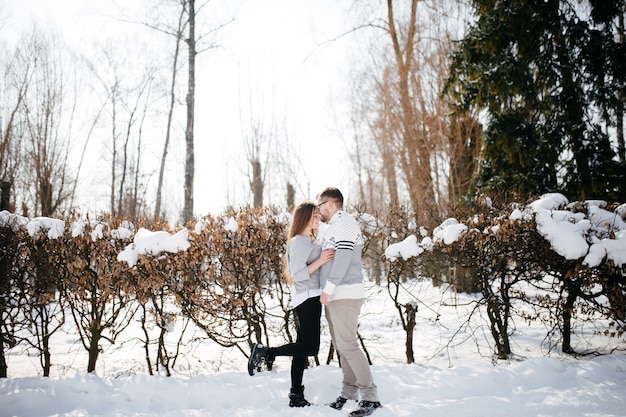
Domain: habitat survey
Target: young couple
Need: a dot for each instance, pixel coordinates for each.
(326, 274)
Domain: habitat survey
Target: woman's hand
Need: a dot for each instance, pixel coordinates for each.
(327, 255)
(324, 299)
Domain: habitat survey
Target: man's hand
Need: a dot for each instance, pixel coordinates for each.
(324, 299)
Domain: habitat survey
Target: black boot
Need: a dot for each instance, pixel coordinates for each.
(296, 398)
(258, 353)
(366, 408)
(269, 361)
(338, 403)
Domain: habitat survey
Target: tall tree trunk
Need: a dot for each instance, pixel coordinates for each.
(166, 145)
(291, 196)
(257, 183)
(114, 150)
(389, 167)
(464, 145)
(122, 185)
(189, 139)
(416, 155)
(621, 149)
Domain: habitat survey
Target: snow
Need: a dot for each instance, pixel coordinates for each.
(591, 237)
(406, 249)
(535, 387)
(154, 243)
(454, 373)
(564, 234)
(231, 224)
(449, 378)
(54, 227)
(451, 233)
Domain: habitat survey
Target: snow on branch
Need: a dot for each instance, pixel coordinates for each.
(584, 230)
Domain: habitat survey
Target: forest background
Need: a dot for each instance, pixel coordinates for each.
(439, 101)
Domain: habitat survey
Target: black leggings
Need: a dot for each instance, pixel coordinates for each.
(307, 341)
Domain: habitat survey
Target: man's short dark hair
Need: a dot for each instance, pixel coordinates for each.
(332, 193)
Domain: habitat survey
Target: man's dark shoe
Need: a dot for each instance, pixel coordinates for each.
(365, 408)
(338, 403)
(258, 352)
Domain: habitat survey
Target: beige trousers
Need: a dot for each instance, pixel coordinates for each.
(342, 317)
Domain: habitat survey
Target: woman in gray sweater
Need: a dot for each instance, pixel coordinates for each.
(303, 261)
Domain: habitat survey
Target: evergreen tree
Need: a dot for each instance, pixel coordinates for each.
(533, 67)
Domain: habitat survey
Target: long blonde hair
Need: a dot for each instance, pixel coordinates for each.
(300, 218)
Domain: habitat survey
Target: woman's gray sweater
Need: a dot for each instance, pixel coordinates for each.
(301, 252)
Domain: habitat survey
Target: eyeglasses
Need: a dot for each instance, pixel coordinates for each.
(321, 204)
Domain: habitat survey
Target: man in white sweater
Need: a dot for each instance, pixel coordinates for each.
(343, 296)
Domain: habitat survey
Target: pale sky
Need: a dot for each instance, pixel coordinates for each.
(277, 46)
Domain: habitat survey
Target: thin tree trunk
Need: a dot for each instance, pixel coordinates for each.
(257, 183)
(122, 185)
(189, 137)
(94, 350)
(146, 345)
(568, 308)
(411, 312)
(114, 155)
(170, 114)
(82, 154)
(621, 148)
(3, 362)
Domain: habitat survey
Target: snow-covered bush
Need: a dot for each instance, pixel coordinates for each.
(562, 260)
(558, 262)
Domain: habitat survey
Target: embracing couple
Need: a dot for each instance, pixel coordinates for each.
(325, 271)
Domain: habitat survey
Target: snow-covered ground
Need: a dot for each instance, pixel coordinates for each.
(451, 376)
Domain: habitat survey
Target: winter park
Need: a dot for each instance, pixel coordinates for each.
(454, 371)
(154, 155)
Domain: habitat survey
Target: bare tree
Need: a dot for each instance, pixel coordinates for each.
(12, 93)
(129, 193)
(178, 36)
(126, 100)
(368, 157)
(46, 171)
(186, 21)
(383, 151)
(107, 71)
(404, 110)
(464, 145)
(288, 167)
(257, 142)
(189, 6)
(92, 126)
(134, 200)
(415, 158)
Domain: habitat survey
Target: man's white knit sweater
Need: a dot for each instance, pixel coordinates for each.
(342, 278)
